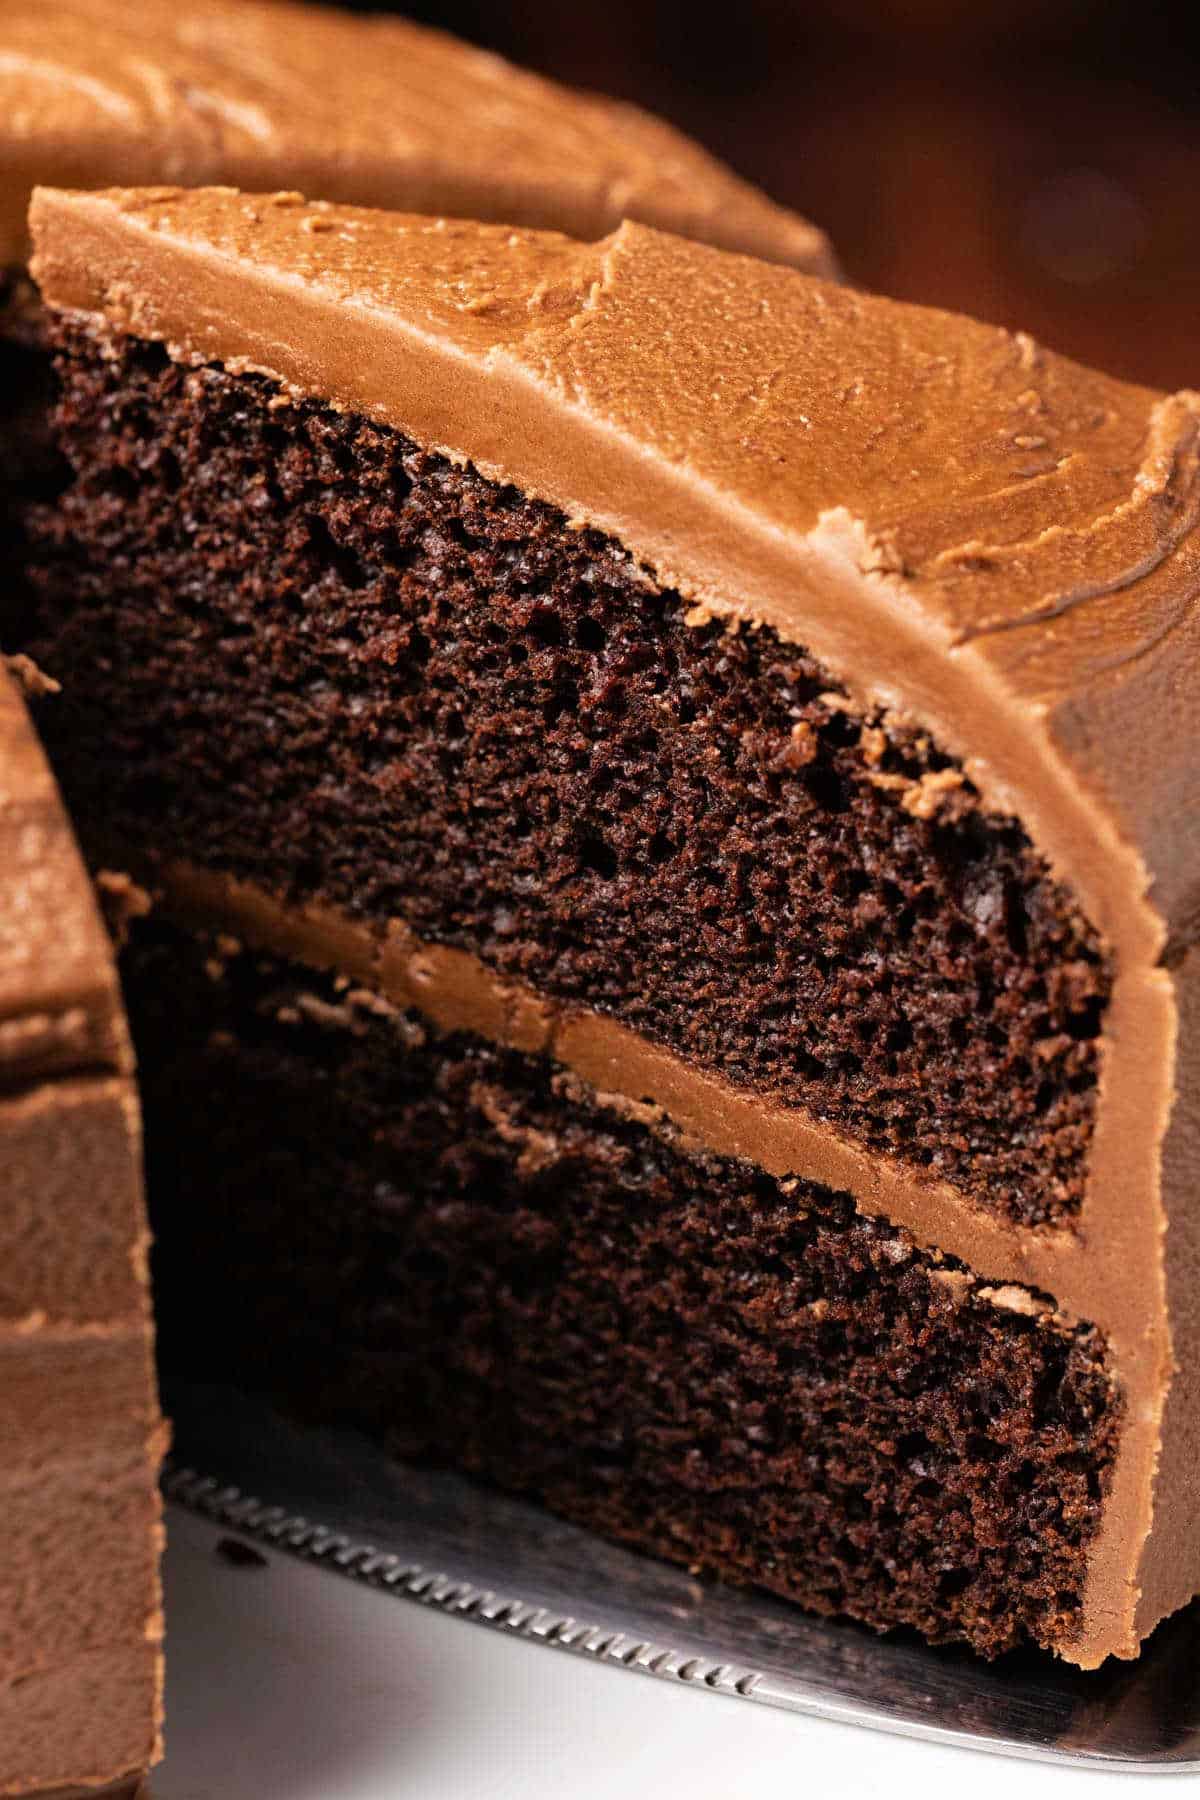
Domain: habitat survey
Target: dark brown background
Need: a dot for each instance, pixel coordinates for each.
(1032, 161)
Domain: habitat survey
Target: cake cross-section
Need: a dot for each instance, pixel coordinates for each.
(671, 787)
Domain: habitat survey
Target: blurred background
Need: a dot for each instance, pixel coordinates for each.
(1035, 162)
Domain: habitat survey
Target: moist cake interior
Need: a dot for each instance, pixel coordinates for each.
(299, 649)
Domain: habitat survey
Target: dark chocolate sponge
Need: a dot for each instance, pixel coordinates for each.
(302, 650)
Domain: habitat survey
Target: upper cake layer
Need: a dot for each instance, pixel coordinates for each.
(957, 521)
(462, 713)
(377, 111)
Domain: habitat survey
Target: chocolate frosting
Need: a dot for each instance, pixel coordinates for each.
(376, 111)
(959, 524)
(79, 1608)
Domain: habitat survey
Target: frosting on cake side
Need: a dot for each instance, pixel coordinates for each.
(80, 1625)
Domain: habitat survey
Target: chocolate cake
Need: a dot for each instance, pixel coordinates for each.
(79, 1610)
(670, 785)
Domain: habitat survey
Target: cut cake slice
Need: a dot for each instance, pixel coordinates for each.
(672, 784)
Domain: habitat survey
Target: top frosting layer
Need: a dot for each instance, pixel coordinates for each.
(376, 111)
(955, 519)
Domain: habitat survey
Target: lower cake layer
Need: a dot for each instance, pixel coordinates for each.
(475, 1257)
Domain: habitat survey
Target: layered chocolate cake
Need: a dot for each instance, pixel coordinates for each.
(81, 1437)
(670, 788)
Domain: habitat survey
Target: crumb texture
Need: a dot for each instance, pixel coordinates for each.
(457, 1249)
(296, 647)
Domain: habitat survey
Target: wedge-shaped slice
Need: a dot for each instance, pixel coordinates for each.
(752, 720)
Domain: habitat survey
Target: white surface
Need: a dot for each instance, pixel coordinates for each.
(292, 1683)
